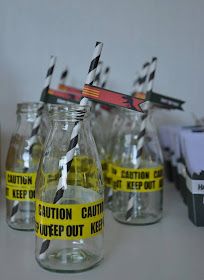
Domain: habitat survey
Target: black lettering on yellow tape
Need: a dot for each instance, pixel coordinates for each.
(69, 222)
(20, 194)
(114, 171)
(136, 180)
(137, 185)
(20, 179)
(20, 186)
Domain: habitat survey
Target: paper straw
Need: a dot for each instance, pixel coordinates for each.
(66, 162)
(140, 81)
(37, 121)
(98, 74)
(105, 77)
(32, 140)
(64, 76)
(104, 81)
(141, 135)
(142, 132)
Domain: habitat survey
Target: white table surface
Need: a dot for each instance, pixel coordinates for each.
(172, 249)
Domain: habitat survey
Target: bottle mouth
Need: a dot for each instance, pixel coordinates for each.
(71, 112)
(29, 107)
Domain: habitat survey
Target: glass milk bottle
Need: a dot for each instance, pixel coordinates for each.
(105, 126)
(21, 166)
(137, 172)
(69, 194)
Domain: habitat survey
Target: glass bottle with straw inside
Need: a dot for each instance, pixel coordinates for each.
(21, 167)
(23, 160)
(137, 168)
(137, 183)
(70, 191)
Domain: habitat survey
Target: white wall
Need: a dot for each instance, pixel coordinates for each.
(132, 32)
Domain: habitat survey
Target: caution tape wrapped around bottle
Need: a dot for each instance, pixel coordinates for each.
(69, 222)
(135, 180)
(20, 186)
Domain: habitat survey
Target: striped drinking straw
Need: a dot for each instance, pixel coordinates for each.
(139, 83)
(102, 84)
(141, 135)
(33, 138)
(145, 115)
(64, 76)
(65, 162)
(98, 73)
(105, 77)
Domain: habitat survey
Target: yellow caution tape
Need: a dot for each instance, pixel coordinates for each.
(20, 186)
(135, 180)
(69, 222)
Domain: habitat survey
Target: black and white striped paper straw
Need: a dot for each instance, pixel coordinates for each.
(97, 79)
(141, 135)
(32, 140)
(64, 76)
(102, 84)
(66, 162)
(139, 83)
(143, 77)
(37, 121)
(105, 77)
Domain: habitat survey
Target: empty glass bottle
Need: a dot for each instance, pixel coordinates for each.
(69, 197)
(137, 179)
(21, 166)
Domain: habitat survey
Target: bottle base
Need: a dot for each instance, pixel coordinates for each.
(143, 219)
(69, 260)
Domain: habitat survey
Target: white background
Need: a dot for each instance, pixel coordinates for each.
(132, 32)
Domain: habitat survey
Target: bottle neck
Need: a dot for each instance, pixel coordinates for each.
(133, 121)
(68, 114)
(26, 116)
(69, 124)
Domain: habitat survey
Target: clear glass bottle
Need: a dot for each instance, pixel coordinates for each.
(137, 181)
(106, 122)
(21, 168)
(76, 243)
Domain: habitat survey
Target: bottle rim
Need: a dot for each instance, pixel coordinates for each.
(70, 112)
(28, 107)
